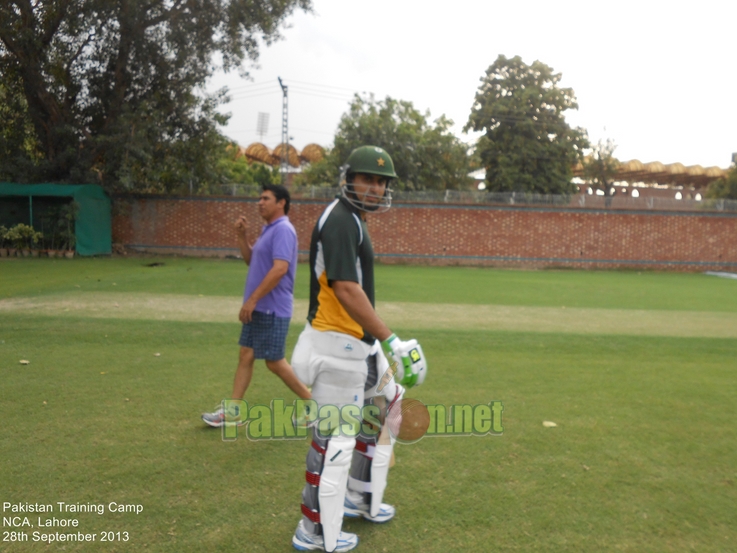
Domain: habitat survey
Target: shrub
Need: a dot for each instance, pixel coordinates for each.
(23, 236)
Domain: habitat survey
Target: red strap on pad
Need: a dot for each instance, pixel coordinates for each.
(314, 516)
(312, 478)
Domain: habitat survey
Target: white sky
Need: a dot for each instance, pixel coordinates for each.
(659, 78)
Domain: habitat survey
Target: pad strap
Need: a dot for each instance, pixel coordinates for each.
(367, 450)
(314, 516)
(358, 485)
(312, 478)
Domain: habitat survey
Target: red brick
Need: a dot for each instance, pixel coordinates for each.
(453, 234)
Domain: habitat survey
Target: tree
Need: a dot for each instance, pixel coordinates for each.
(426, 155)
(725, 187)
(113, 89)
(527, 145)
(321, 173)
(236, 169)
(16, 132)
(601, 166)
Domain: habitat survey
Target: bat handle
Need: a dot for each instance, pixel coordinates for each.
(387, 376)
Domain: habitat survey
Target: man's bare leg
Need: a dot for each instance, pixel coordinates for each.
(243, 373)
(284, 371)
(242, 379)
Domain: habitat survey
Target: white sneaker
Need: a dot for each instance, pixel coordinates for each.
(354, 507)
(216, 419)
(305, 541)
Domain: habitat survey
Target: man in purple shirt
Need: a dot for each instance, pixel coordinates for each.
(268, 297)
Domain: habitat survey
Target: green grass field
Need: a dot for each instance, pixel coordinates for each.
(643, 458)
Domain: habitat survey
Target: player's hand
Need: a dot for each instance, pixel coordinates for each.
(246, 314)
(411, 361)
(241, 226)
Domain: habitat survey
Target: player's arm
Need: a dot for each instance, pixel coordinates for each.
(246, 248)
(408, 355)
(356, 303)
(272, 278)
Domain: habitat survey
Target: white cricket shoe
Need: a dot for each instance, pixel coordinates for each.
(305, 541)
(354, 507)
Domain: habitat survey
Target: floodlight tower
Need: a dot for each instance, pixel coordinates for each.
(284, 167)
(262, 126)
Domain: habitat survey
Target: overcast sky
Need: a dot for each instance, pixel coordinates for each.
(658, 78)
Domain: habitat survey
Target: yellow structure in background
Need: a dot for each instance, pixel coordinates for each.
(656, 173)
(262, 154)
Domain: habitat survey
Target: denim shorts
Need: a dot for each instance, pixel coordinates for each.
(266, 334)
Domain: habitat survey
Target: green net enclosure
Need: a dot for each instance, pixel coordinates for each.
(37, 204)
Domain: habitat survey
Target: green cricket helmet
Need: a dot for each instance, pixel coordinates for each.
(369, 160)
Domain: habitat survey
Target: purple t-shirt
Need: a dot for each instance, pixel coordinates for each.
(278, 240)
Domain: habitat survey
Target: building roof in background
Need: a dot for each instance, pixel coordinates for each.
(261, 153)
(655, 172)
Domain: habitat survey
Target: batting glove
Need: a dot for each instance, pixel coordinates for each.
(411, 362)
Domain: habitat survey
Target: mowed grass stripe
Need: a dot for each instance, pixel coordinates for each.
(181, 307)
(28, 277)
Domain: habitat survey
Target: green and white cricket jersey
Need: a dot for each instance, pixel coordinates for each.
(340, 249)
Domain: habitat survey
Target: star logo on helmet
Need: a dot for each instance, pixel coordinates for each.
(380, 161)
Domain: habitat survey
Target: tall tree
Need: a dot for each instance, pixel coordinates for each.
(600, 167)
(527, 146)
(113, 88)
(426, 154)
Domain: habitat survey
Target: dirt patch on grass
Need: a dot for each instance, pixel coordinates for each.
(175, 307)
(560, 319)
(403, 315)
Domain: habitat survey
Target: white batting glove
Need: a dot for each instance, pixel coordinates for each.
(411, 362)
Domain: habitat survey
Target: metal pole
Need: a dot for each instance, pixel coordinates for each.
(30, 210)
(284, 166)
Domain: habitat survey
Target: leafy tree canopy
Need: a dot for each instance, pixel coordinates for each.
(426, 155)
(601, 166)
(527, 146)
(16, 130)
(235, 169)
(724, 188)
(111, 91)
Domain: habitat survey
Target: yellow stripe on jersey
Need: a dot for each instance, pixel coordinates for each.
(331, 315)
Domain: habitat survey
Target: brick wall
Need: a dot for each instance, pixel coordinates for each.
(453, 234)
